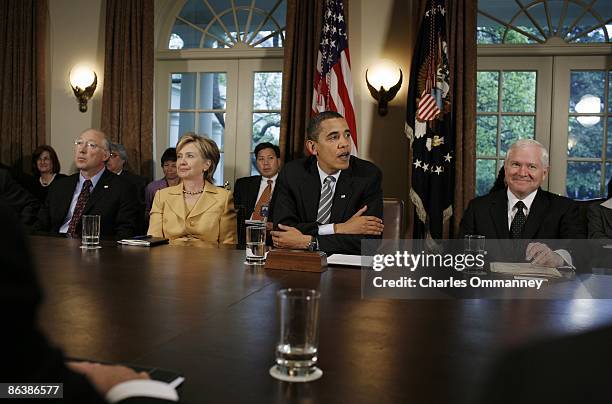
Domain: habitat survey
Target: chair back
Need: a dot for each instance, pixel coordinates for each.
(393, 218)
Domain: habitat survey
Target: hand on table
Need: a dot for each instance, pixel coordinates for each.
(358, 224)
(541, 254)
(290, 237)
(104, 377)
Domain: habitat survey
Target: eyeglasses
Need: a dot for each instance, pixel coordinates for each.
(82, 143)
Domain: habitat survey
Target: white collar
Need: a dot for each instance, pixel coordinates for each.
(323, 174)
(607, 204)
(528, 200)
(265, 179)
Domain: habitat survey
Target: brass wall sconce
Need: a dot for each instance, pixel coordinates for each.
(384, 75)
(83, 82)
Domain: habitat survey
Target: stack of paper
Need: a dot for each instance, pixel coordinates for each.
(524, 269)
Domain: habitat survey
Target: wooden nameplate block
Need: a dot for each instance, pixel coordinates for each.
(296, 260)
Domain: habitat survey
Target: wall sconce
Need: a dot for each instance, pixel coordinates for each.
(384, 76)
(83, 82)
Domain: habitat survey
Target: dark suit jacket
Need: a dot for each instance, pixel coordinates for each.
(296, 200)
(140, 183)
(245, 193)
(573, 369)
(112, 199)
(28, 357)
(21, 200)
(600, 221)
(551, 217)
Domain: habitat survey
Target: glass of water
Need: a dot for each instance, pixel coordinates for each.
(90, 235)
(256, 244)
(474, 244)
(296, 351)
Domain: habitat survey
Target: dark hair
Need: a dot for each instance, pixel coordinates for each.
(208, 151)
(169, 154)
(267, 145)
(312, 132)
(52, 154)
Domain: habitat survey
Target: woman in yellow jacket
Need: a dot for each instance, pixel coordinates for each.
(195, 210)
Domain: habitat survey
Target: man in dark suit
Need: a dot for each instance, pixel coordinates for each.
(21, 200)
(117, 163)
(330, 200)
(524, 211)
(28, 357)
(257, 190)
(94, 190)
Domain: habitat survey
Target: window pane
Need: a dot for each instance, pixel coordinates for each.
(514, 128)
(267, 90)
(524, 23)
(585, 139)
(196, 12)
(213, 90)
(487, 89)
(518, 92)
(180, 122)
(609, 91)
(253, 165)
(485, 176)
(218, 175)
(488, 31)
(183, 91)
(486, 136)
(184, 36)
(266, 128)
(583, 180)
(608, 186)
(609, 148)
(212, 124)
(584, 85)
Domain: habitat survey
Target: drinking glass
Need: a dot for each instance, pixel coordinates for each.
(256, 244)
(90, 236)
(296, 351)
(474, 244)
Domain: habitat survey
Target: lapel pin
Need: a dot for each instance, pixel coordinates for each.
(342, 196)
(106, 186)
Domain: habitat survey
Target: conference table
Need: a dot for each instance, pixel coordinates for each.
(203, 313)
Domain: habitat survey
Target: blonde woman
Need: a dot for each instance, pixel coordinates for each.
(194, 210)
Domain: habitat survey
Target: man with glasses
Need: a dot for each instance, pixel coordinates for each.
(94, 190)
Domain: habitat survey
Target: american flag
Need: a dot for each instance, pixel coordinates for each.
(333, 87)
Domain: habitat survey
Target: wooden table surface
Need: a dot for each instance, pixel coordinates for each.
(203, 313)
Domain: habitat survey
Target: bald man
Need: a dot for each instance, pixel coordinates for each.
(94, 190)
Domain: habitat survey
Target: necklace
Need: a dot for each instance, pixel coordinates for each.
(193, 193)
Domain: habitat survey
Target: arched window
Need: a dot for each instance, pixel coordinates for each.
(219, 73)
(544, 72)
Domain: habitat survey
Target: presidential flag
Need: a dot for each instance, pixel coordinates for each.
(333, 87)
(428, 125)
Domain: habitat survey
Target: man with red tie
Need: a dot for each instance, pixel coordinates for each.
(94, 190)
(254, 192)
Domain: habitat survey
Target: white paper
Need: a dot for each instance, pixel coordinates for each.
(350, 260)
(524, 269)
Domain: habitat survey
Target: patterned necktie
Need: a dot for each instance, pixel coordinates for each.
(325, 202)
(518, 223)
(73, 227)
(264, 199)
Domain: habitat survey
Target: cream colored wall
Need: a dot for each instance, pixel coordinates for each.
(76, 35)
(382, 29)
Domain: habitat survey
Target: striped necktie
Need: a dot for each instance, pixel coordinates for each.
(73, 227)
(325, 202)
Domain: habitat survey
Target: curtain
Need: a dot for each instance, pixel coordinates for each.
(462, 37)
(301, 45)
(127, 99)
(23, 32)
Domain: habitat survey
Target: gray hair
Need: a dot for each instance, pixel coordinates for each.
(107, 143)
(119, 148)
(523, 143)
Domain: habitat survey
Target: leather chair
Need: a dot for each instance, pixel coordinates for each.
(393, 218)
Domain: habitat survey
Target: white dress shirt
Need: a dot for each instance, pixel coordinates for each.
(141, 388)
(262, 186)
(528, 201)
(327, 229)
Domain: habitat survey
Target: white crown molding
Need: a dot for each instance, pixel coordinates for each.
(546, 50)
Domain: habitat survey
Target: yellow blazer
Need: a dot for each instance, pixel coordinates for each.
(212, 218)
